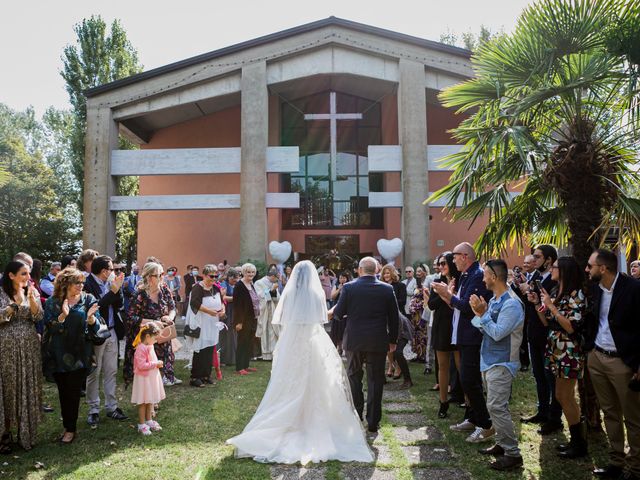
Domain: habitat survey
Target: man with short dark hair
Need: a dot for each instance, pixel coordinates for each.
(613, 335)
(103, 284)
(549, 414)
(46, 284)
(501, 323)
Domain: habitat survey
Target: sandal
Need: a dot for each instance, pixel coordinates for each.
(61, 440)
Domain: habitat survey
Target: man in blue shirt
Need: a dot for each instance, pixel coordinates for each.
(501, 323)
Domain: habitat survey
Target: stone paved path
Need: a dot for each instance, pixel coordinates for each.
(406, 443)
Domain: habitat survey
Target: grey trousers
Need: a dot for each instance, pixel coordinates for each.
(498, 380)
(107, 366)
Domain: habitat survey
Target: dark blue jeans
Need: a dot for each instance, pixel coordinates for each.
(548, 406)
(471, 380)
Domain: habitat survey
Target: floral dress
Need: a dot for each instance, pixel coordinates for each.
(419, 342)
(565, 356)
(20, 371)
(141, 306)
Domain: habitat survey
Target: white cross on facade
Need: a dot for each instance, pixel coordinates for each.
(333, 116)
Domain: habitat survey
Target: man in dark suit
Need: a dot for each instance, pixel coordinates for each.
(103, 284)
(371, 330)
(549, 414)
(612, 334)
(190, 279)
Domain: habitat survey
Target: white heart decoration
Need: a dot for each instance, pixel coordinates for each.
(389, 249)
(280, 251)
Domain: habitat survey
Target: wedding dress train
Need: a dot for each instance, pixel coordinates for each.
(306, 414)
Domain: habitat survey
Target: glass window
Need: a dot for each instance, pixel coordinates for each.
(324, 203)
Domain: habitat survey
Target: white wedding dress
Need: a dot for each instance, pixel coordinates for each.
(306, 414)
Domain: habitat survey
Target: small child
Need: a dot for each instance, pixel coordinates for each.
(147, 381)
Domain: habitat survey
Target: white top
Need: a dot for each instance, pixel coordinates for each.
(604, 339)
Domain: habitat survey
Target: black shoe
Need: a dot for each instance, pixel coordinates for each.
(427, 371)
(524, 368)
(496, 450)
(47, 409)
(610, 471)
(372, 429)
(506, 463)
(444, 407)
(577, 446)
(196, 382)
(93, 419)
(548, 428)
(117, 414)
(83, 393)
(537, 418)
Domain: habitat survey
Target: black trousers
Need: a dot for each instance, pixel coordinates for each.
(524, 346)
(244, 348)
(471, 380)
(402, 362)
(69, 386)
(548, 406)
(202, 363)
(375, 383)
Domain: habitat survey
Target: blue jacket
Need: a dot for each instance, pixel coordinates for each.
(470, 283)
(502, 326)
(371, 310)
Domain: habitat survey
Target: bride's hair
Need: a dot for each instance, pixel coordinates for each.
(303, 300)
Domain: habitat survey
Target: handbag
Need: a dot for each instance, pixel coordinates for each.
(191, 332)
(167, 334)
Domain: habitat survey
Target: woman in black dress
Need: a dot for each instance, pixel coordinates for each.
(246, 310)
(389, 275)
(442, 328)
(338, 324)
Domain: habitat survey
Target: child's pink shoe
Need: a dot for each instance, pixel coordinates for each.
(144, 429)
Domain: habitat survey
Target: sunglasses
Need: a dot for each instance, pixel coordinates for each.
(117, 270)
(442, 264)
(213, 276)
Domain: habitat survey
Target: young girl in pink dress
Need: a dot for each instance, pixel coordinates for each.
(147, 381)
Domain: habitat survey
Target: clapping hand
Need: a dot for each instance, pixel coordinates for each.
(442, 289)
(117, 283)
(65, 308)
(91, 314)
(478, 305)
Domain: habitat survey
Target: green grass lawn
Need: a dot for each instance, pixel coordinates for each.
(197, 422)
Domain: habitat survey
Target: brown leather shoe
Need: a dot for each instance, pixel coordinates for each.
(496, 450)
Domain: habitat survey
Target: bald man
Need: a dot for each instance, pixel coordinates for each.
(468, 339)
(371, 330)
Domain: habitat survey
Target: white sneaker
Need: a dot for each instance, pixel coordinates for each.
(177, 381)
(154, 426)
(167, 383)
(480, 435)
(465, 426)
(144, 429)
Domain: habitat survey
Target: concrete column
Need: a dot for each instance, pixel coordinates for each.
(253, 176)
(99, 223)
(412, 133)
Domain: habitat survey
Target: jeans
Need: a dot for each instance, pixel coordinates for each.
(548, 406)
(498, 380)
(69, 386)
(375, 383)
(471, 380)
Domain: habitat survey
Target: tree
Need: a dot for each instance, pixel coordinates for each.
(97, 58)
(469, 40)
(548, 111)
(32, 213)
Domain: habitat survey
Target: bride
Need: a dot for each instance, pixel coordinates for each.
(306, 414)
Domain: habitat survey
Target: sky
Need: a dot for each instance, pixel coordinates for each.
(34, 33)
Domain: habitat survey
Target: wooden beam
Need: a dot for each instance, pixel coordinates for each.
(196, 161)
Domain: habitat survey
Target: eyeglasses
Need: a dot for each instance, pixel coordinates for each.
(213, 276)
(408, 271)
(442, 264)
(117, 270)
(554, 266)
(459, 253)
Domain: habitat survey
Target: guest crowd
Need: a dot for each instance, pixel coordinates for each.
(475, 325)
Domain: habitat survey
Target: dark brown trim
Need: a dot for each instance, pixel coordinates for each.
(331, 21)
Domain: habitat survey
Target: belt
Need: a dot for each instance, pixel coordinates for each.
(608, 353)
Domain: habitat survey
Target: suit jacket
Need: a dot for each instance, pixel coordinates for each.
(243, 308)
(189, 282)
(471, 282)
(371, 311)
(536, 331)
(624, 319)
(110, 299)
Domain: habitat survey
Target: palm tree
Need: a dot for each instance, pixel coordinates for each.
(550, 112)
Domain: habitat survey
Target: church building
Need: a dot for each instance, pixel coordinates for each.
(328, 135)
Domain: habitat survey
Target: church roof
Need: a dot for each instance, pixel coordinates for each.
(327, 22)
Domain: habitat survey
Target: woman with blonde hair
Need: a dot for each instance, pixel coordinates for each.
(72, 321)
(246, 310)
(20, 370)
(389, 275)
(151, 302)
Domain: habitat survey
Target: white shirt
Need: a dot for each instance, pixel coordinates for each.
(604, 339)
